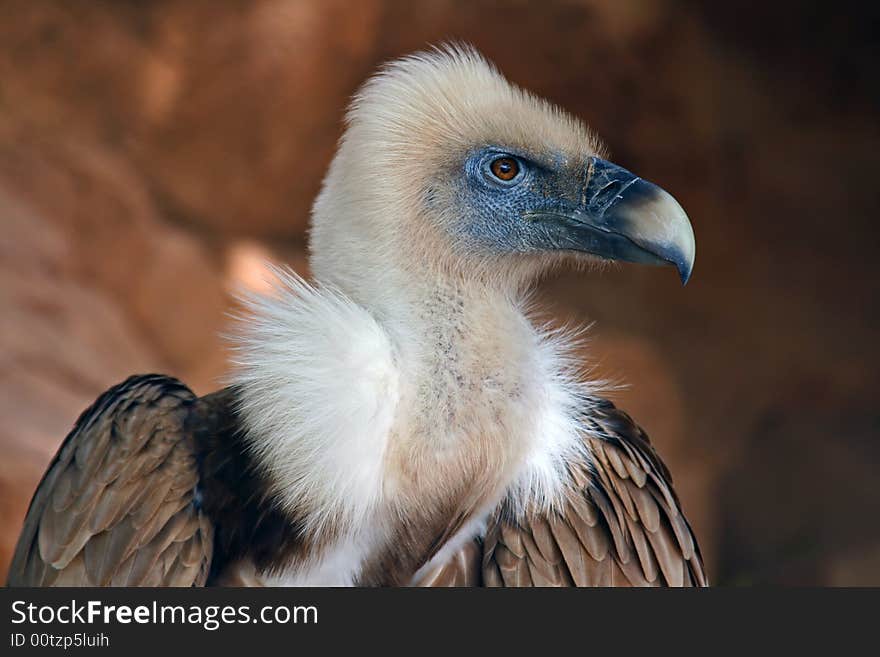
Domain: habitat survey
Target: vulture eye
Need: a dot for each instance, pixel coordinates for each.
(504, 168)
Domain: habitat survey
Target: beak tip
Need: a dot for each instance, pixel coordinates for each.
(684, 272)
(685, 267)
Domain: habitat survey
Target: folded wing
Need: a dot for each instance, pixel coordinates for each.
(117, 506)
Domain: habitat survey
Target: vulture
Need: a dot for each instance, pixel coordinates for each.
(402, 420)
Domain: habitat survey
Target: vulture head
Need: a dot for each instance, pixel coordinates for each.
(448, 168)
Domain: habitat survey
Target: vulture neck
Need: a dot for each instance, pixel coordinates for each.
(446, 398)
(473, 381)
(438, 319)
(486, 401)
(463, 347)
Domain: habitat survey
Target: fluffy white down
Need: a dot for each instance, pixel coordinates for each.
(318, 392)
(561, 396)
(319, 395)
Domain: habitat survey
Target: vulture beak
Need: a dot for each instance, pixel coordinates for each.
(623, 217)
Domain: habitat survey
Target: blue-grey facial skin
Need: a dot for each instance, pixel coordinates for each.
(494, 214)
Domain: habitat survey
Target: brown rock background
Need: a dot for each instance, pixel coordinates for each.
(152, 153)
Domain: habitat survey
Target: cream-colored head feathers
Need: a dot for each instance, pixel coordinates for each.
(409, 129)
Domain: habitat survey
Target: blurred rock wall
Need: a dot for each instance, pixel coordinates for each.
(154, 154)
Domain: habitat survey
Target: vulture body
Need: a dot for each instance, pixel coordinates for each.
(401, 421)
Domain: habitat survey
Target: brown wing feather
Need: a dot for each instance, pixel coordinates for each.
(462, 570)
(116, 506)
(623, 526)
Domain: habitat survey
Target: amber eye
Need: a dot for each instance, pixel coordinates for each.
(504, 168)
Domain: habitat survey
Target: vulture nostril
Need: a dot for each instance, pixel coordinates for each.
(606, 195)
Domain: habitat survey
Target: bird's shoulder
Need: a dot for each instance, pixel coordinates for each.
(620, 523)
(117, 505)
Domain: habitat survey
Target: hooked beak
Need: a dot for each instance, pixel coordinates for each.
(623, 217)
